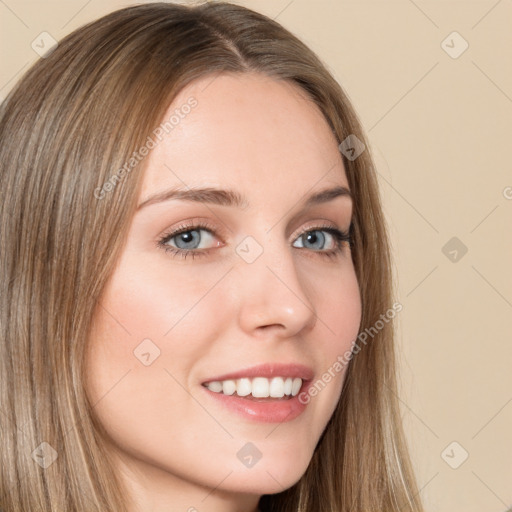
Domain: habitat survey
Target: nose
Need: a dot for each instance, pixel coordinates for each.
(272, 294)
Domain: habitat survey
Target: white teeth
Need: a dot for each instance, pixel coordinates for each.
(243, 387)
(288, 386)
(277, 387)
(297, 383)
(259, 387)
(228, 387)
(215, 386)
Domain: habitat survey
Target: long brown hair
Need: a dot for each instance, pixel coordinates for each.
(70, 124)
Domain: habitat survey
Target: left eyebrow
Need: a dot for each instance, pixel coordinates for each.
(232, 198)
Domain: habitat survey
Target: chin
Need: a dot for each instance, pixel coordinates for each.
(273, 477)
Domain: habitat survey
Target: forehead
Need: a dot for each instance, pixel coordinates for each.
(246, 131)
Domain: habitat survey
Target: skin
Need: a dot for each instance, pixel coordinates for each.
(174, 446)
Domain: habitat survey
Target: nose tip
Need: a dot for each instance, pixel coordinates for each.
(275, 298)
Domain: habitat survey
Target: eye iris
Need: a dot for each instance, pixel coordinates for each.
(188, 237)
(313, 237)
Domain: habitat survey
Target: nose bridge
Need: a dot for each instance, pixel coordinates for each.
(271, 290)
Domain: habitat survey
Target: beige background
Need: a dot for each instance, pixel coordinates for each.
(440, 129)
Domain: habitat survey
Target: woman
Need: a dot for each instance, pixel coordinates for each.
(192, 239)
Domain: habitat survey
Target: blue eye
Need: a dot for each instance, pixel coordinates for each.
(186, 240)
(316, 238)
(190, 239)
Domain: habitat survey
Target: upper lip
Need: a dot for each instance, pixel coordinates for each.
(268, 370)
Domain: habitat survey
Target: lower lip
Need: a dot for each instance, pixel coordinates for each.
(275, 411)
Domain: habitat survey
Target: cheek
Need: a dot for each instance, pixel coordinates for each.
(147, 330)
(140, 355)
(149, 301)
(338, 307)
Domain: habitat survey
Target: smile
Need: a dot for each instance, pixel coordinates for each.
(257, 387)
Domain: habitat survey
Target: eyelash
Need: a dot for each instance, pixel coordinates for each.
(339, 237)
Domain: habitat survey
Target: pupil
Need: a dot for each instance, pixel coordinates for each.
(187, 239)
(315, 237)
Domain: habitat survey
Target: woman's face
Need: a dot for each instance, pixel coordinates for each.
(261, 294)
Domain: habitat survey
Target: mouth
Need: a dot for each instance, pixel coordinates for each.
(263, 393)
(258, 388)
